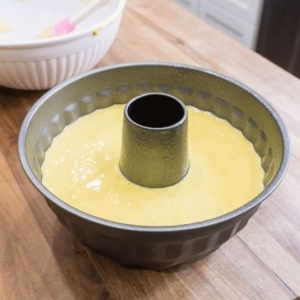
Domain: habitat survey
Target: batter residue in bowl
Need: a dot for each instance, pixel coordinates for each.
(4, 27)
(82, 168)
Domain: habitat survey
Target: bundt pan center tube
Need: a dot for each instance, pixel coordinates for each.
(154, 247)
(154, 141)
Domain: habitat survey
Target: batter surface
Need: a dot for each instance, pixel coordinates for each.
(82, 169)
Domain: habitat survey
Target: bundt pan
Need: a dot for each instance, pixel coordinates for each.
(146, 246)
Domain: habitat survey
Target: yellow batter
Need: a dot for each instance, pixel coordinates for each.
(82, 168)
(4, 27)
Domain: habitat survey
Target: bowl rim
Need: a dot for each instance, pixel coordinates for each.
(155, 229)
(69, 37)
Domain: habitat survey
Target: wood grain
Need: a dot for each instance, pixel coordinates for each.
(40, 259)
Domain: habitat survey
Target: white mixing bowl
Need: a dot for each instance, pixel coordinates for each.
(32, 64)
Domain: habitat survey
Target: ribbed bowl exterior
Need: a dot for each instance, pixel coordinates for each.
(22, 69)
(154, 247)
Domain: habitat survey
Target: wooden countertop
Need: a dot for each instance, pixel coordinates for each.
(39, 258)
